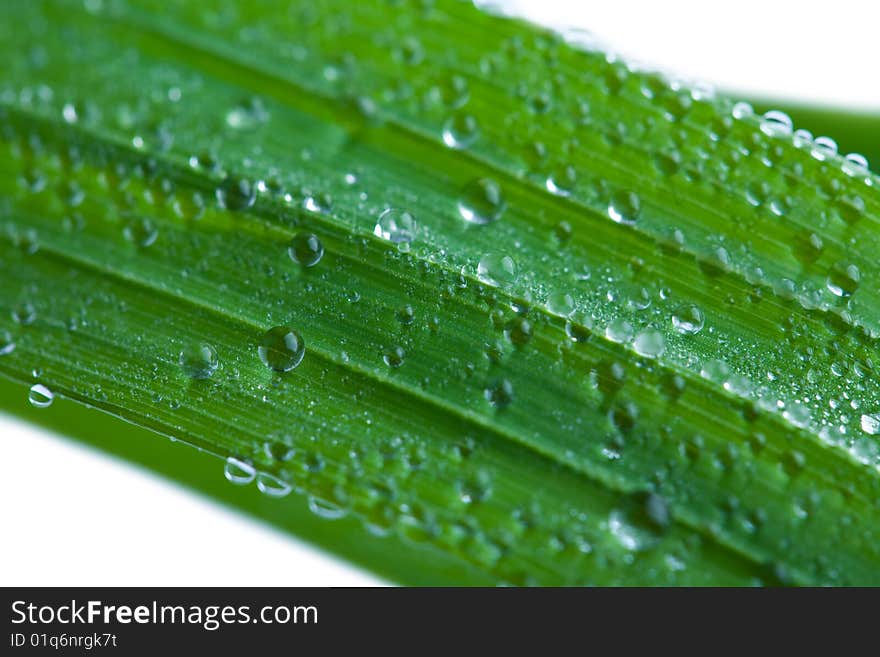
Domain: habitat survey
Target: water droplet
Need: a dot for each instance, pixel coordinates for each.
(68, 112)
(843, 279)
(871, 424)
(40, 396)
(141, 232)
(496, 269)
(460, 131)
(7, 343)
(688, 319)
(499, 393)
(24, 313)
(650, 343)
(281, 348)
(742, 110)
(823, 148)
(272, 486)
(394, 357)
(561, 303)
(481, 202)
(306, 249)
(198, 361)
(619, 330)
(247, 114)
(238, 472)
(776, 124)
(624, 207)
(235, 194)
(562, 181)
(325, 509)
(397, 226)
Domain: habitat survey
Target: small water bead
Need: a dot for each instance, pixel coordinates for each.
(247, 114)
(823, 148)
(481, 202)
(619, 330)
(24, 313)
(141, 231)
(306, 249)
(497, 269)
(198, 361)
(562, 181)
(688, 319)
(855, 164)
(7, 343)
(871, 424)
(561, 303)
(394, 357)
(238, 472)
(843, 279)
(318, 203)
(776, 124)
(326, 510)
(395, 225)
(272, 486)
(742, 110)
(281, 348)
(624, 207)
(40, 396)
(499, 393)
(235, 194)
(650, 343)
(460, 131)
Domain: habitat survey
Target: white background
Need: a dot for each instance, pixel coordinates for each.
(821, 51)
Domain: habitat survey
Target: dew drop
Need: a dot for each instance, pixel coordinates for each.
(460, 131)
(397, 226)
(235, 194)
(688, 319)
(24, 313)
(326, 510)
(40, 396)
(871, 424)
(843, 279)
(272, 486)
(561, 303)
(7, 343)
(198, 361)
(247, 114)
(481, 202)
(650, 343)
(141, 232)
(499, 393)
(562, 181)
(238, 472)
(306, 249)
(823, 148)
(281, 348)
(776, 124)
(624, 207)
(496, 269)
(619, 330)
(394, 357)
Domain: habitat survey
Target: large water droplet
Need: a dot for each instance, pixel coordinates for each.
(624, 207)
(247, 114)
(619, 330)
(235, 194)
(460, 131)
(650, 343)
(272, 486)
(688, 319)
(7, 342)
(776, 124)
(24, 313)
(499, 393)
(496, 269)
(198, 361)
(871, 424)
(281, 348)
(481, 202)
(394, 225)
(306, 249)
(141, 231)
(238, 472)
(843, 279)
(40, 396)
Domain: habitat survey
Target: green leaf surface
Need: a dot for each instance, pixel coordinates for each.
(563, 323)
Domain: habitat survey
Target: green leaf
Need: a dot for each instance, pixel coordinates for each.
(487, 296)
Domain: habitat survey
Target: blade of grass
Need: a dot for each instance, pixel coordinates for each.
(649, 361)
